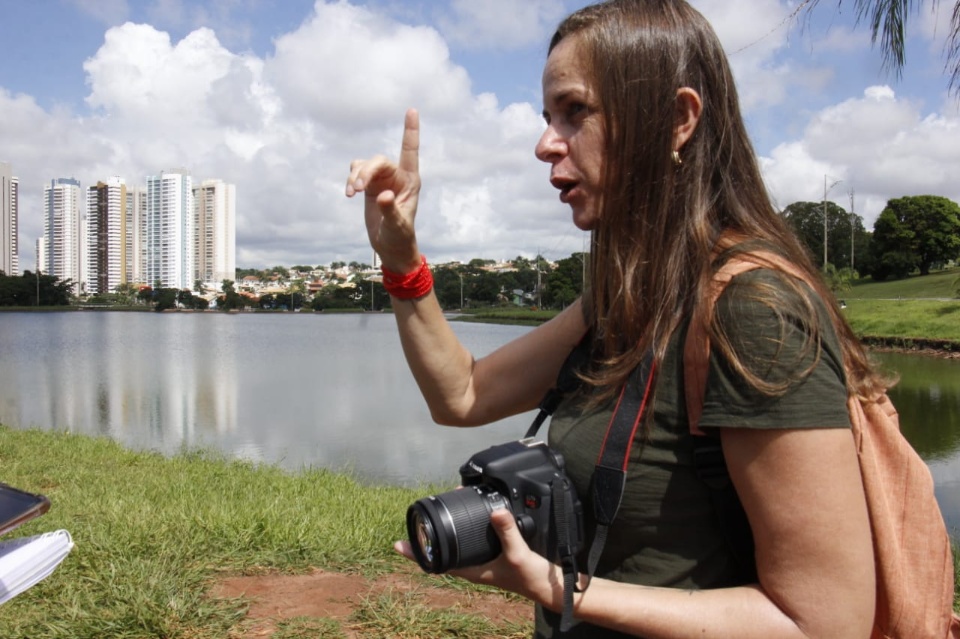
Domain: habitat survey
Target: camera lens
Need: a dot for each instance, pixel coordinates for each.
(453, 530)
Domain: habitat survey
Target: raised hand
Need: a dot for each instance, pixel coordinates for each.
(391, 193)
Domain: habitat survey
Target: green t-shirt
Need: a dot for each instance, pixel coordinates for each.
(667, 531)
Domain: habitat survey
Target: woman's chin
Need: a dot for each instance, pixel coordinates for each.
(584, 220)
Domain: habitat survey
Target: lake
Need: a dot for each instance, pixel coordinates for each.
(302, 389)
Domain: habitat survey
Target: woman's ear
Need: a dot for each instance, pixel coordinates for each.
(689, 107)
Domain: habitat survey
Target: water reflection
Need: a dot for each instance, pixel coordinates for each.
(927, 398)
(296, 390)
(302, 390)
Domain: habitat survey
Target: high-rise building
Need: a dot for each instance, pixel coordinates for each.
(108, 241)
(62, 234)
(170, 229)
(9, 203)
(136, 215)
(215, 240)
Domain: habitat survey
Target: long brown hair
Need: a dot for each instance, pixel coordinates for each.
(652, 249)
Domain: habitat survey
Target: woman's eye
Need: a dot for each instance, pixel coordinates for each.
(575, 109)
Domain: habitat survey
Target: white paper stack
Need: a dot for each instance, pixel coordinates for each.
(27, 561)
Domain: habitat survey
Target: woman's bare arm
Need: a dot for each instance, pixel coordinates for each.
(459, 390)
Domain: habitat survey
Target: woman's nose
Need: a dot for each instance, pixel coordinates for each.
(551, 146)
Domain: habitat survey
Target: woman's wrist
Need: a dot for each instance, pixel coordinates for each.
(401, 264)
(409, 284)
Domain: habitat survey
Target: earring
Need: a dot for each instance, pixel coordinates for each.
(675, 156)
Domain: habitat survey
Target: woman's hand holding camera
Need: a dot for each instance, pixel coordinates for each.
(517, 568)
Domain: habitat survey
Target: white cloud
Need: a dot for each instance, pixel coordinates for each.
(881, 146)
(752, 46)
(284, 128)
(350, 67)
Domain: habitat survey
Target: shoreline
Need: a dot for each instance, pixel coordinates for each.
(940, 349)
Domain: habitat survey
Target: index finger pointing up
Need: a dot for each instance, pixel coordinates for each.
(410, 147)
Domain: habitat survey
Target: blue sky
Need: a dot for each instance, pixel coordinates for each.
(278, 96)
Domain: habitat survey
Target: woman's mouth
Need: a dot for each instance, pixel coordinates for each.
(566, 187)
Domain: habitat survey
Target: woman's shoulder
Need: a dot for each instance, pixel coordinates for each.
(767, 293)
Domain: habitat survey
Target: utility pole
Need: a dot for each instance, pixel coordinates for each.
(539, 300)
(826, 189)
(373, 305)
(853, 218)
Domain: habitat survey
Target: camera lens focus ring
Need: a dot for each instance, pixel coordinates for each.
(453, 530)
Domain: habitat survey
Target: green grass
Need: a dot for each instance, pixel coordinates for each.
(152, 533)
(904, 319)
(507, 315)
(937, 285)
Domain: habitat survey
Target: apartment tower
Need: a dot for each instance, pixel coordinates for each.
(62, 235)
(170, 229)
(215, 240)
(9, 203)
(136, 215)
(108, 241)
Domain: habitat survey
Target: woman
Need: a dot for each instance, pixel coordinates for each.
(647, 146)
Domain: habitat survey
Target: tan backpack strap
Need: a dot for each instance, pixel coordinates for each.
(696, 349)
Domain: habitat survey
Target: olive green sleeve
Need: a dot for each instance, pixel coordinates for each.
(772, 342)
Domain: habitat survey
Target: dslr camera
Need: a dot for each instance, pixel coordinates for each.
(453, 530)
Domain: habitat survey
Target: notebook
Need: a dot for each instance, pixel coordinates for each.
(26, 561)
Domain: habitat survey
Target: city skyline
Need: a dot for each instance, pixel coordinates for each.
(168, 230)
(260, 94)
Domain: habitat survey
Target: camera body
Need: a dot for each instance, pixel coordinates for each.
(453, 530)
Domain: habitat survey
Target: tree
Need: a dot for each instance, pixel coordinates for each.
(526, 275)
(843, 229)
(888, 21)
(485, 287)
(839, 280)
(564, 283)
(165, 298)
(126, 293)
(230, 300)
(915, 232)
(334, 296)
(446, 286)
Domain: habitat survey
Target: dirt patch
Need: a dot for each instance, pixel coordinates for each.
(331, 595)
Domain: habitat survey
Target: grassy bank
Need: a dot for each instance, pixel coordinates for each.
(915, 312)
(906, 322)
(152, 533)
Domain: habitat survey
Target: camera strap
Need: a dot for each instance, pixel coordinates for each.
(609, 475)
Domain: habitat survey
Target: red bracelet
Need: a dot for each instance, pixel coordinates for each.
(411, 285)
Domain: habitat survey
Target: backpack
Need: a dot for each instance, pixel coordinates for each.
(913, 556)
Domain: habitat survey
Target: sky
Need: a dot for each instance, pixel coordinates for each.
(278, 96)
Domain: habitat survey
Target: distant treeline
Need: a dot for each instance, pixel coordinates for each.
(29, 290)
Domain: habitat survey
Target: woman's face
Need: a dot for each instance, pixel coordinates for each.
(573, 141)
